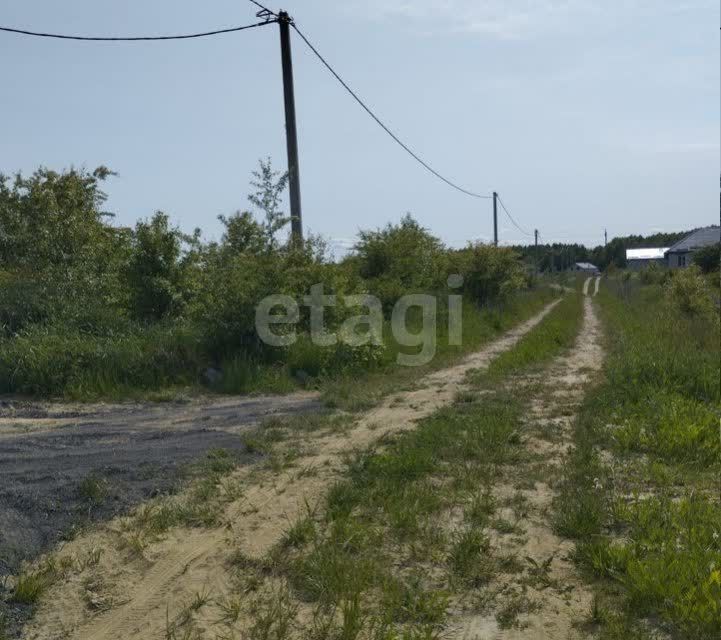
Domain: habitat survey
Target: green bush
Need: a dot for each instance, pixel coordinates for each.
(708, 259)
(400, 259)
(689, 293)
(45, 362)
(87, 308)
(490, 274)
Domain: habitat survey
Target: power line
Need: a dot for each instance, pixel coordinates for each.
(186, 36)
(263, 10)
(510, 217)
(383, 126)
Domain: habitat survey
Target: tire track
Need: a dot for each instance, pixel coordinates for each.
(189, 561)
(559, 599)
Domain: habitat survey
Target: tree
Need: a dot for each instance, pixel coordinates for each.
(155, 271)
(243, 234)
(708, 258)
(400, 259)
(270, 185)
(59, 253)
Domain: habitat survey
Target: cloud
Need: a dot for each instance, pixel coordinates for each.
(688, 147)
(513, 19)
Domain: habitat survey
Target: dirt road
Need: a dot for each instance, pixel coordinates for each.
(559, 599)
(152, 589)
(48, 451)
(587, 286)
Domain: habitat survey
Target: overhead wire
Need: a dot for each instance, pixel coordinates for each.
(264, 8)
(185, 36)
(380, 122)
(510, 217)
(266, 14)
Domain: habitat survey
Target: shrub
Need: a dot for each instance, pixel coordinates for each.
(689, 293)
(400, 259)
(46, 361)
(490, 273)
(23, 302)
(708, 259)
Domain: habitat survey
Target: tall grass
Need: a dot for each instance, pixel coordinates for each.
(557, 331)
(649, 526)
(49, 361)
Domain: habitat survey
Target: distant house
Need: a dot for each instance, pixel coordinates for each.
(586, 267)
(681, 254)
(640, 258)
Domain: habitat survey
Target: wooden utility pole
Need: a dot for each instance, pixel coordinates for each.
(605, 237)
(495, 218)
(291, 131)
(535, 234)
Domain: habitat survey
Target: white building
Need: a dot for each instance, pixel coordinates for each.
(640, 258)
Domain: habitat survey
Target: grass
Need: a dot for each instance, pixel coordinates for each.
(556, 332)
(389, 506)
(479, 328)
(200, 504)
(405, 533)
(94, 490)
(649, 528)
(166, 360)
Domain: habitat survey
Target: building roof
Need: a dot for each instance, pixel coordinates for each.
(704, 237)
(587, 265)
(646, 254)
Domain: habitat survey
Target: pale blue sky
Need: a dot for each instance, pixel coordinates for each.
(581, 113)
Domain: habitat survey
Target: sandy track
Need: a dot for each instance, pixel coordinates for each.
(562, 600)
(148, 589)
(587, 286)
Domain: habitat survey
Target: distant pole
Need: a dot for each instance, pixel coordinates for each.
(535, 233)
(605, 237)
(495, 218)
(291, 132)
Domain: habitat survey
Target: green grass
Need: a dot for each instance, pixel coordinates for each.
(540, 345)
(649, 529)
(29, 588)
(94, 490)
(163, 361)
(479, 328)
(380, 551)
(200, 504)
(386, 512)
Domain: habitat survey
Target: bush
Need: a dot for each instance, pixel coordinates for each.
(490, 273)
(400, 259)
(48, 362)
(708, 259)
(23, 302)
(689, 293)
(652, 274)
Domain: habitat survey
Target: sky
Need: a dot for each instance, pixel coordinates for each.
(582, 114)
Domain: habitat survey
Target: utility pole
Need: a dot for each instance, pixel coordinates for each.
(605, 237)
(291, 132)
(495, 218)
(535, 233)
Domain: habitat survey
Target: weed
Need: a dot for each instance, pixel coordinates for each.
(514, 606)
(650, 526)
(31, 586)
(273, 617)
(93, 489)
(469, 559)
(300, 533)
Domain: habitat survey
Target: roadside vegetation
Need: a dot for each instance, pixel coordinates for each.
(403, 539)
(88, 309)
(642, 492)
